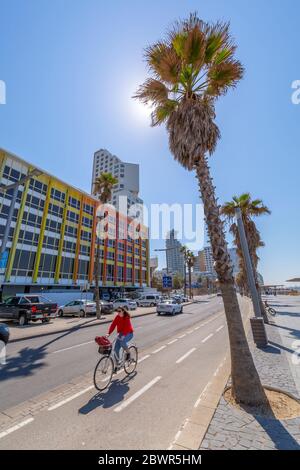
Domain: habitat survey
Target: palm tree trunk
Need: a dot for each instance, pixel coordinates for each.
(96, 276)
(190, 281)
(246, 385)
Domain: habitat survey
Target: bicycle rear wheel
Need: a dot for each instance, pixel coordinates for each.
(130, 365)
(103, 373)
(272, 311)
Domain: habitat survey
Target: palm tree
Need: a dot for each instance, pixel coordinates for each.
(190, 260)
(190, 69)
(103, 185)
(249, 208)
(184, 251)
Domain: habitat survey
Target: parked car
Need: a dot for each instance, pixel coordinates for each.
(79, 308)
(170, 307)
(4, 333)
(149, 300)
(29, 307)
(106, 307)
(126, 303)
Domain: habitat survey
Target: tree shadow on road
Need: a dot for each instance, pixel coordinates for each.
(28, 360)
(114, 395)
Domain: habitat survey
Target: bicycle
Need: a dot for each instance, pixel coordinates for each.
(271, 311)
(108, 364)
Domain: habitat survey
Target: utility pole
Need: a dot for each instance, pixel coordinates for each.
(257, 323)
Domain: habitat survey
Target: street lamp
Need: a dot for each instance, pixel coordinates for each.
(15, 187)
(257, 323)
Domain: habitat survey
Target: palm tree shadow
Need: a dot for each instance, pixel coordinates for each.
(114, 395)
(29, 360)
(280, 436)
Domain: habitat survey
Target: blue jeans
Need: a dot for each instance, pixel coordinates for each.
(122, 342)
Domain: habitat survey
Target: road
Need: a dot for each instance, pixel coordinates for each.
(178, 357)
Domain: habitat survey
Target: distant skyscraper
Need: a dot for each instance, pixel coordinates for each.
(128, 179)
(175, 259)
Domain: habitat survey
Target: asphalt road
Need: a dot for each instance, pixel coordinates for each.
(178, 355)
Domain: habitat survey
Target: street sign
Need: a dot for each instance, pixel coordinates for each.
(167, 282)
(3, 259)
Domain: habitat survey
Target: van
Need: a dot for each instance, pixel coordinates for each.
(149, 300)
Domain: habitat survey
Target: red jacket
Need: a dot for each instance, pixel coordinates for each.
(123, 325)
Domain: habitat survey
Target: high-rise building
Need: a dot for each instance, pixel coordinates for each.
(204, 262)
(127, 187)
(175, 259)
(50, 239)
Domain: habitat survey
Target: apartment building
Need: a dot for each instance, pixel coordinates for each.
(48, 234)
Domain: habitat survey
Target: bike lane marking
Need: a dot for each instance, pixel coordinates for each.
(16, 427)
(63, 402)
(137, 394)
(182, 358)
(207, 338)
(159, 349)
(72, 347)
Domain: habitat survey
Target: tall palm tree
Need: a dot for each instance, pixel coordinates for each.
(102, 187)
(184, 251)
(249, 208)
(190, 69)
(190, 263)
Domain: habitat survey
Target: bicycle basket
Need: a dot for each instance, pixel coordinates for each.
(104, 345)
(106, 350)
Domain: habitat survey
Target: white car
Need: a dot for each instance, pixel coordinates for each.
(129, 304)
(149, 300)
(170, 307)
(80, 308)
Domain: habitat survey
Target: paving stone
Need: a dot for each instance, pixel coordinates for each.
(236, 429)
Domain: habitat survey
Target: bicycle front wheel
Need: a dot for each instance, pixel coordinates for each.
(103, 373)
(272, 312)
(131, 363)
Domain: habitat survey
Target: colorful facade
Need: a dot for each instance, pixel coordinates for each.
(52, 235)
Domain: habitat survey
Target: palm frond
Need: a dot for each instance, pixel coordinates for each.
(152, 91)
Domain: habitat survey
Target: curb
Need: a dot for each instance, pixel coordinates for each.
(63, 330)
(194, 428)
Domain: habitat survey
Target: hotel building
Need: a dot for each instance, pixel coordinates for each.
(49, 231)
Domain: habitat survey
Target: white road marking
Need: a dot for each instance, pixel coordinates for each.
(182, 336)
(137, 395)
(207, 338)
(173, 341)
(63, 402)
(182, 358)
(197, 328)
(72, 347)
(219, 329)
(201, 395)
(159, 349)
(16, 427)
(143, 358)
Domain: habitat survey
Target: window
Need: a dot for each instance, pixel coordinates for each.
(58, 195)
(73, 202)
(23, 264)
(54, 209)
(72, 216)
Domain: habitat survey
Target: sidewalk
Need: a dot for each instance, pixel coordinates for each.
(60, 325)
(234, 429)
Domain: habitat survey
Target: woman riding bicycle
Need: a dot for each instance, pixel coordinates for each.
(125, 332)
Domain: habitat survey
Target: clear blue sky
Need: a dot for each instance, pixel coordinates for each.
(71, 66)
